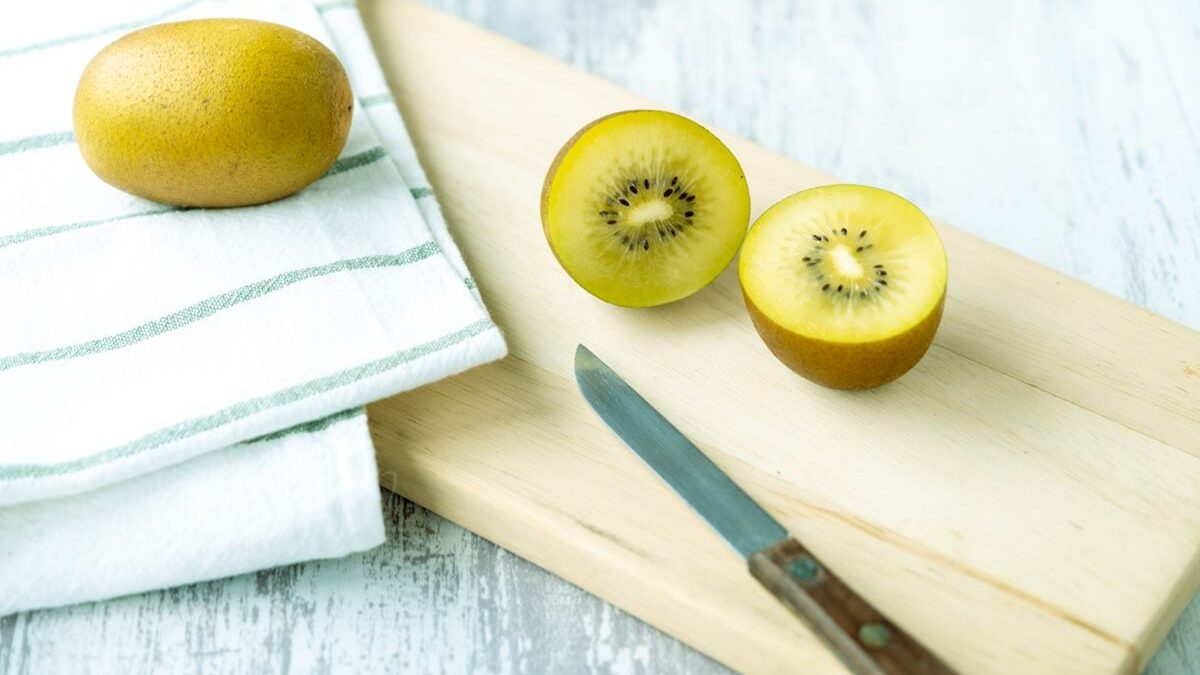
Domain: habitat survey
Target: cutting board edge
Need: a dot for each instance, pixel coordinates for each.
(1183, 581)
(527, 548)
(1130, 662)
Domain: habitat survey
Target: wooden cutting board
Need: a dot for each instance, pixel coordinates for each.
(1027, 500)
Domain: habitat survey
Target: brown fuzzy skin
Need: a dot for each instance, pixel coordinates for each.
(848, 366)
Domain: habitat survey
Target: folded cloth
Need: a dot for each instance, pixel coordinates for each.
(143, 345)
(303, 493)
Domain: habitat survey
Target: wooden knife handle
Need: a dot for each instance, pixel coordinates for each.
(861, 636)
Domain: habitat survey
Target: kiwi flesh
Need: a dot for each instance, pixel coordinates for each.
(644, 207)
(846, 284)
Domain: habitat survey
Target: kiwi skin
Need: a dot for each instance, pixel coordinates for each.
(836, 365)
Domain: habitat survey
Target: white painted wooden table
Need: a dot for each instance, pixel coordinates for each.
(1069, 132)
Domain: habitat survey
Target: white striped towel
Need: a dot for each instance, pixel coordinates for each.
(175, 382)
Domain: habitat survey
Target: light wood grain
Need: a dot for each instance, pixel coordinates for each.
(1063, 131)
(1036, 473)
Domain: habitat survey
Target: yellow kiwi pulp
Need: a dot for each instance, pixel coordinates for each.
(845, 284)
(644, 207)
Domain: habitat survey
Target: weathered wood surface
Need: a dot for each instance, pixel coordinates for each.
(994, 117)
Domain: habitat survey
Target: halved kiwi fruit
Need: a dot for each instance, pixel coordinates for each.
(644, 207)
(845, 284)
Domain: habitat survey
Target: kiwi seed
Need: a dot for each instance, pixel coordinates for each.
(852, 287)
(635, 238)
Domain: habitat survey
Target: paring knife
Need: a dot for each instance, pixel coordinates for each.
(861, 636)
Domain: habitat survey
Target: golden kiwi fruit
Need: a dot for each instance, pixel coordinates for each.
(644, 207)
(213, 112)
(845, 284)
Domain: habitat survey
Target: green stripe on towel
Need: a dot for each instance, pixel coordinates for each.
(114, 28)
(39, 232)
(35, 142)
(344, 164)
(309, 427)
(354, 161)
(421, 192)
(247, 408)
(213, 305)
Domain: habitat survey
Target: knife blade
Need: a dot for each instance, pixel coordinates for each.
(865, 640)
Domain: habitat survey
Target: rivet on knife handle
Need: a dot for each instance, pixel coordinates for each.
(861, 636)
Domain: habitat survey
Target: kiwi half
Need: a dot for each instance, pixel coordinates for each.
(845, 284)
(644, 207)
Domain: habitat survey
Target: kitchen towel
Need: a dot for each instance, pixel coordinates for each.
(174, 382)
